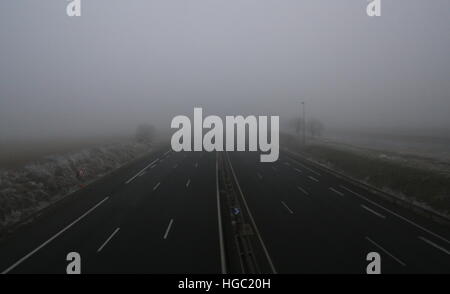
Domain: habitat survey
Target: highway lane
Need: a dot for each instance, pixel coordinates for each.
(418, 237)
(174, 227)
(158, 215)
(299, 242)
(312, 221)
(26, 238)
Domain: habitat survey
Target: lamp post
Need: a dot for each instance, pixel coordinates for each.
(304, 122)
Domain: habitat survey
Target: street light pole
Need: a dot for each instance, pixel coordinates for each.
(304, 122)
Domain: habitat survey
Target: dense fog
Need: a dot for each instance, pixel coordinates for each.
(126, 62)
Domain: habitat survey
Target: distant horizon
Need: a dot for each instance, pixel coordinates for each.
(122, 63)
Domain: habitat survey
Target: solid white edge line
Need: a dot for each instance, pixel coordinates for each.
(303, 166)
(168, 229)
(266, 252)
(313, 178)
(302, 190)
(397, 215)
(156, 186)
(136, 175)
(336, 191)
(219, 219)
(107, 240)
(434, 245)
(385, 251)
(373, 211)
(287, 207)
(53, 237)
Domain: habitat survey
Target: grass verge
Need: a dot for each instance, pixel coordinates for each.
(430, 187)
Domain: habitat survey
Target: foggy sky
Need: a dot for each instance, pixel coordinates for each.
(129, 61)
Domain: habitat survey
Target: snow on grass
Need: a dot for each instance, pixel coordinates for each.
(35, 186)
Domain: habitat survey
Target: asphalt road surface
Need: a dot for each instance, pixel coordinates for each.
(160, 215)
